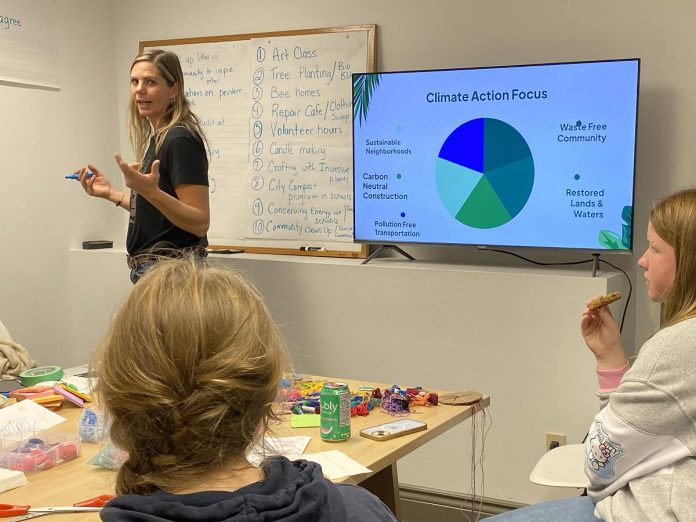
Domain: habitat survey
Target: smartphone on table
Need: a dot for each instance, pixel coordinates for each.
(393, 429)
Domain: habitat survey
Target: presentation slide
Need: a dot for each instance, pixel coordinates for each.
(528, 156)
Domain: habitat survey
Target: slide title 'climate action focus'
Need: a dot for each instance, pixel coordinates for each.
(476, 96)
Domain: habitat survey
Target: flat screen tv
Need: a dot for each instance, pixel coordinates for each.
(519, 156)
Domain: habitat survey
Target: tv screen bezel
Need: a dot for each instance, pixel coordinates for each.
(481, 246)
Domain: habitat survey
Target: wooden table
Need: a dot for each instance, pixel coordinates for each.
(76, 480)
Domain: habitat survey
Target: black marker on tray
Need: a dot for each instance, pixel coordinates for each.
(312, 249)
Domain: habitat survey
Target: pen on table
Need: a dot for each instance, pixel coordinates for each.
(312, 249)
(75, 175)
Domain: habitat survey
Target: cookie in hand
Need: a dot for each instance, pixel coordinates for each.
(604, 300)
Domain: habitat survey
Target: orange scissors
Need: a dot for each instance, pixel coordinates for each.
(92, 504)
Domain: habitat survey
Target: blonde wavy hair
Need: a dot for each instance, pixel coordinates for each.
(188, 371)
(674, 220)
(178, 113)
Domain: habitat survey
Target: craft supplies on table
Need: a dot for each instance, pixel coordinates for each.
(51, 395)
(92, 426)
(41, 374)
(304, 398)
(109, 457)
(38, 451)
(71, 393)
(311, 420)
(43, 395)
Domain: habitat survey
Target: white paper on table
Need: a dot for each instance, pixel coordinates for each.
(26, 417)
(10, 479)
(290, 447)
(83, 384)
(336, 464)
(77, 377)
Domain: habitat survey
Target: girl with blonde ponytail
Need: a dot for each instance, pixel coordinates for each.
(188, 373)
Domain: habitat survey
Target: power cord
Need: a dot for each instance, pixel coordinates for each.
(565, 263)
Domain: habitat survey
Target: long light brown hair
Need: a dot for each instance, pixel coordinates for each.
(188, 371)
(177, 113)
(674, 220)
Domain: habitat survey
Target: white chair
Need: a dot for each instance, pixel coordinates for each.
(563, 466)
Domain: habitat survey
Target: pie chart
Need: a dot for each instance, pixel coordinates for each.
(484, 173)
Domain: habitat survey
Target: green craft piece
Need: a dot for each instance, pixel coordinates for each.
(309, 420)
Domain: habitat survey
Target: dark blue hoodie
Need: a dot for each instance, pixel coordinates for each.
(293, 491)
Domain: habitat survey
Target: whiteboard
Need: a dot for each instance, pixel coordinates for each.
(277, 111)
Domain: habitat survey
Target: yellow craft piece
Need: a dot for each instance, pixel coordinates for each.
(309, 420)
(72, 390)
(309, 387)
(48, 399)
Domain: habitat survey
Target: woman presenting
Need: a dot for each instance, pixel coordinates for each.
(168, 198)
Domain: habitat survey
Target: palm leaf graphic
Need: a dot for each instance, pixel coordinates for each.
(614, 241)
(364, 86)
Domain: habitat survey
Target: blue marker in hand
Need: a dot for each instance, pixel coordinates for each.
(75, 175)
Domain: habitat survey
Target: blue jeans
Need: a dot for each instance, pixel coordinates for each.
(575, 509)
(140, 269)
(137, 272)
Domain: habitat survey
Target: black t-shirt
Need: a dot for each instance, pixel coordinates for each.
(182, 161)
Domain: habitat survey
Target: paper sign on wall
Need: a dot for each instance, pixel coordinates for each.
(29, 43)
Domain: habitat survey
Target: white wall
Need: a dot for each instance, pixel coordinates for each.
(55, 305)
(413, 34)
(44, 135)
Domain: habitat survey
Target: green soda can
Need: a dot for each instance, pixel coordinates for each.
(334, 415)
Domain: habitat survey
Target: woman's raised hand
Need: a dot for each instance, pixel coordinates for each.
(96, 185)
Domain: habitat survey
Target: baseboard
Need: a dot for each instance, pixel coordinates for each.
(425, 505)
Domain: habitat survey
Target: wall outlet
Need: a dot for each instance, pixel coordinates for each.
(553, 440)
